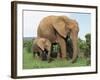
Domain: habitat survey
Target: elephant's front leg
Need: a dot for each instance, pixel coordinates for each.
(62, 44)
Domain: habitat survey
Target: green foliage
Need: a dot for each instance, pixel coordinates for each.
(27, 44)
(82, 45)
(88, 45)
(85, 47)
(56, 48)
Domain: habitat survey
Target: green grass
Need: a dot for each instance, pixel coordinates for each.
(31, 63)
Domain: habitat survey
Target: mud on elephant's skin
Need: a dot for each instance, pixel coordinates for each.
(41, 47)
(56, 28)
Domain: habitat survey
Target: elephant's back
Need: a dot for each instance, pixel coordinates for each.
(48, 18)
(46, 22)
(45, 28)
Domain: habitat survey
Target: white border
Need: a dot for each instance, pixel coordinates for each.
(21, 72)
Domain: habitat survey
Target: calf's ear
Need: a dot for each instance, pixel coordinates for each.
(41, 43)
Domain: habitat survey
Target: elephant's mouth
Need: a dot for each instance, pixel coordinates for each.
(44, 55)
(69, 47)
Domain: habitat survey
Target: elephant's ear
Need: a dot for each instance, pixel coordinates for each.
(59, 25)
(40, 43)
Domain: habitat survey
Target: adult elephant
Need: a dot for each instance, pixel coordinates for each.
(56, 29)
(41, 47)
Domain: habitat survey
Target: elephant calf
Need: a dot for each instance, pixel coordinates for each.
(41, 47)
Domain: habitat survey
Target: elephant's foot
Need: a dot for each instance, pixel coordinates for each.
(64, 56)
(59, 56)
(50, 60)
(73, 60)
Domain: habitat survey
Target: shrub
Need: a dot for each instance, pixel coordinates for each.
(28, 45)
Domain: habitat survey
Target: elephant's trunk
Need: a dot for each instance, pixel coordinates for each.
(75, 48)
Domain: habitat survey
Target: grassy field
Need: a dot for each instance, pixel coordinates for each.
(31, 63)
